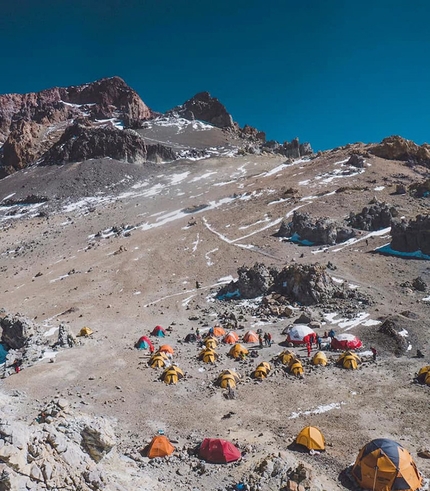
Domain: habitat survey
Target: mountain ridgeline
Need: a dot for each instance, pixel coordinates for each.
(77, 123)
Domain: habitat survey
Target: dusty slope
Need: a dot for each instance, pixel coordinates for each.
(123, 286)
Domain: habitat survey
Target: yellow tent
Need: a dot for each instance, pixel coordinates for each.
(85, 331)
(228, 378)
(237, 351)
(172, 374)
(266, 365)
(384, 465)
(348, 360)
(296, 368)
(319, 358)
(157, 361)
(311, 438)
(424, 375)
(260, 372)
(211, 343)
(208, 356)
(286, 356)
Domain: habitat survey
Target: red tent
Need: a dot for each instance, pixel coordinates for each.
(158, 331)
(218, 451)
(144, 342)
(346, 341)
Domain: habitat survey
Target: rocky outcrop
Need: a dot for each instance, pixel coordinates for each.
(356, 160)
(317, 231)
(373, 217)
(307, 284)
(16, 331)
(420, 189)
(293, 149)
(56, 451)
(251, 133)
(204, 107)
(411, 236)
(81, 142)
(398, 148)
(31, 123)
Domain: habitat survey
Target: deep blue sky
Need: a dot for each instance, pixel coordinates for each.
(328, 71)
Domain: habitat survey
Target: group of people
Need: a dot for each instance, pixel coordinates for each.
(266, 339)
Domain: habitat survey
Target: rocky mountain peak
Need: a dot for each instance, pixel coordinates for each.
(205, 108)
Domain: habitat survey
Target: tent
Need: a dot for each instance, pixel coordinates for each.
(218, 331)
(286, 356)
(144, 343)
(295, 367)
(208, 356)
(211, 343)
(230, 338)
(85, 331)
(299, 334)
(158, 331)
(172, 374)
(262, 370)
(319, 358)
(424, 375)
(218, 451)
(346, 341)
(227, 378)
(348, 360)
(250, 337)
(311, 438)
(190, 338)
(166, 349)
(237, 351)
(158, 360)
(160, 446)
(384, 465)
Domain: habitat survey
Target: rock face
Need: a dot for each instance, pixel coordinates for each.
(373, 217)
(205, 108)
(356, 160)
(293, 149)
(398, 148)
(81, 142)
(27, 120)
(411, 236)
(319, 231)
(15, 332)
(306, 284)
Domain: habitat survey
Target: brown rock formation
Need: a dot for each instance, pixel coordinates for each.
(398, 148)
(26, 118)
(411, 236)
(205, 108)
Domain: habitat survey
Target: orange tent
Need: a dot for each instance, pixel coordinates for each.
(231, 338)
(160, 446)
(218, 331)
(166, 349)
(250, 337)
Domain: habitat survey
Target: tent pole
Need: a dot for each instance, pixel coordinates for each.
(374, 480)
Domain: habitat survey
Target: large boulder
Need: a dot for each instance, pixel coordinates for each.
(307, 284)
(204, 107)
(373, 217)
(16, 331)
(82, 142)
(317, 231)
(398, 148)
(411, 236)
